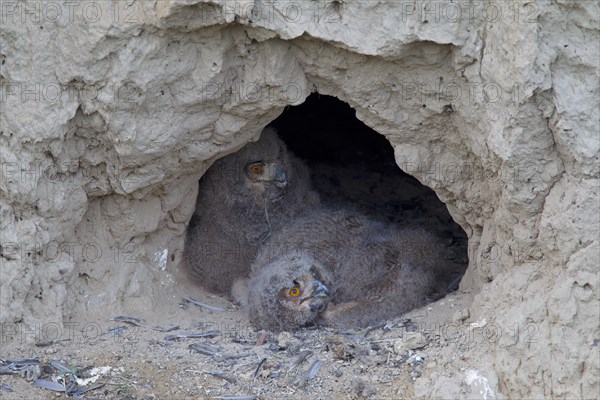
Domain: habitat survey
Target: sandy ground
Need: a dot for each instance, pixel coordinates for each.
(387, 361)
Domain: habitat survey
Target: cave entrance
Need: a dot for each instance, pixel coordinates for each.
(354, 166)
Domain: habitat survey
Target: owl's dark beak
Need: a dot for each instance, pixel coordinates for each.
(319, 289)
(318, 298)
(278, 176)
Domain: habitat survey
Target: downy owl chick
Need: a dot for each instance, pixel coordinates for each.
(243, 199)
(344, 270)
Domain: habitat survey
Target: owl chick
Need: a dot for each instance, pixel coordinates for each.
(343, 270)
(242, 200)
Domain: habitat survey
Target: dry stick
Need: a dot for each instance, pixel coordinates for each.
(204, 305)
(269, 230)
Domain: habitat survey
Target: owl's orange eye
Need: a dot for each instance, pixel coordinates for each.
(256, 169)
(295, 291)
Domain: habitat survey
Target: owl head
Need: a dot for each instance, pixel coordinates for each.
(260, 172)
(291, 292)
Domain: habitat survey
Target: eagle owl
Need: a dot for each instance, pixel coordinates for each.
(243, 199)
(342, 269)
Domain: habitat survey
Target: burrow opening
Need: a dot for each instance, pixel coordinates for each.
(351, 166)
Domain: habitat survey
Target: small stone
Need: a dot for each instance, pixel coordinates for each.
(461, 315)
(262, 338)
(362, 389)
(342, 348)
(410, 341)
(415, 360)
(285, 340)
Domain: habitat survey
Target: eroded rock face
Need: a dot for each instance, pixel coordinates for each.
(112, 111)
